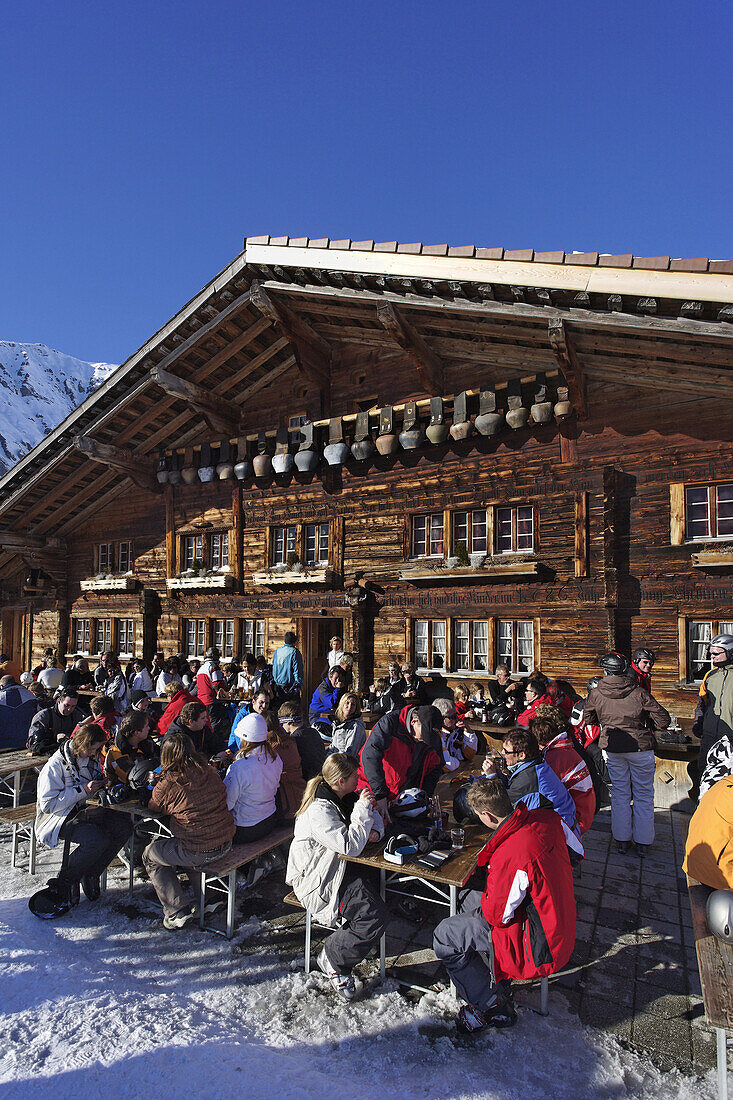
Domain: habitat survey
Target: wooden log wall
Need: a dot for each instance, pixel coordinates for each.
(613, 569)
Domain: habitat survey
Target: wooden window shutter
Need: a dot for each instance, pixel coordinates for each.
(682, 647)
(676, 513)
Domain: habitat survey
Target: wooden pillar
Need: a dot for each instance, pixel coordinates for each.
(170, 533)
(237, 548)
(581, 534)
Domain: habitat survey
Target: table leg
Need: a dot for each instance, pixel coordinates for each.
(383, 940)
(16, 788)
(132, 858)
(453, 900)
(722, 1046)
(231, 892)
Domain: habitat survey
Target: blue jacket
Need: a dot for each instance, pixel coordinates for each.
(324, 700)
(287, 668)
(535, 784)
(234, 739)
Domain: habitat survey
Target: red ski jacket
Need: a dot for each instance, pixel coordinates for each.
(392, 760)
(529, 900)
(572, 770)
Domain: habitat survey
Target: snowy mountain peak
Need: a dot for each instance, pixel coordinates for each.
(39, 387)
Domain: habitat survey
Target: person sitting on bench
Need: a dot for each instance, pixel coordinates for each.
(330, 823)
(66, 781)
(523, 920)
(194, 797)
(252, 782)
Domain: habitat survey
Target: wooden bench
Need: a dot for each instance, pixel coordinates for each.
(221, 876)
(23, 822)
(715, 963)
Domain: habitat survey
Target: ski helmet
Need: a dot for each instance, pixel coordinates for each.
(614, 664)
(411, 802)
(719, 912)
(643, 654)
(724, 641)
(462, 812)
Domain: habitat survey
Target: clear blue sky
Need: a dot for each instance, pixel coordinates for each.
(142, 141)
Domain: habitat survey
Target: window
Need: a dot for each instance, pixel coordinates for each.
(699, 635)
(82, 635)
(427, 536)
(471, 646)
(709, 511)
(124, 557)
(284, 542)
(515, 645)
(195, 638)
(470, 528)
(430, 643)
(294, 425)
(316, 543)
(193, 551)
(104, 635)
(224, 636)
(126, 637)
(515, 530)
(253, 637)
(220, 551)
(106, 557)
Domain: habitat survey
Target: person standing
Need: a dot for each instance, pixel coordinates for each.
(642, 663)
(209, 678)
(287, 670)
(714, 711)
(627, 715)
(335, 652)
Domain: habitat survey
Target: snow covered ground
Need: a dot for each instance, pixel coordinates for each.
(106, 1003)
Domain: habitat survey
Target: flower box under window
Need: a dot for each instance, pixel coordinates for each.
(712, 557)
(191, 579)
(112, 582)
(430, 572)
(302, 578)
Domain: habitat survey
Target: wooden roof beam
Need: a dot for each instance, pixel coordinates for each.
(17, 543)
(219, 414)
(122, 461)
(569, 365)
(430, 369)
(312, 353)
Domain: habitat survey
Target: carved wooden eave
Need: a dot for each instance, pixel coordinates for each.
(221, 415)
(312, 353)
(136, 467)
(569, 365)
(430, 369)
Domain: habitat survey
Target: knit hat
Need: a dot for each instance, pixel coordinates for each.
(252, 728)
(137, 696)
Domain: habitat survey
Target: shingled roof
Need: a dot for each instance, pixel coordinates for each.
(521, 255)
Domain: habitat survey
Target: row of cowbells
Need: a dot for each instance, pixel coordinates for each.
(233, 460)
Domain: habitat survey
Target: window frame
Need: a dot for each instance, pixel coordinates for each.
(223, 639)
(103, 634)
(470, 634)
(711, 489)
(318, 538)
(129, 633)
(256, 629)
(199, 626)
(470, 538)
(717, 626)
(294, 537)
(429, 540)
(86, 626)
(126, 543)
(109, 550)
(431, 650)
(514, 518)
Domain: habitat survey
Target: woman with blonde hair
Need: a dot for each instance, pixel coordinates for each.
(252, 782)
(330, 823)
(66, 781)
(348, 732)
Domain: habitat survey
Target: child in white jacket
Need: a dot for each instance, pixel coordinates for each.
(328, 886)
(252, 782)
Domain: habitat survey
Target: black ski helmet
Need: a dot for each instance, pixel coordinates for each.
(614, 664)
(643, 654)
(462, 812)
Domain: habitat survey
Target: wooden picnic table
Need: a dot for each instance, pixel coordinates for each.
(135, 809)
(12, 764)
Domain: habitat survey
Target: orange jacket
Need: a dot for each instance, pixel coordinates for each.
(709, 848)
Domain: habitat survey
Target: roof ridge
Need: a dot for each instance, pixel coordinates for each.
(699, 264)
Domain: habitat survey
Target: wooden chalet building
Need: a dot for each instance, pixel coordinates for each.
(461, 455)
